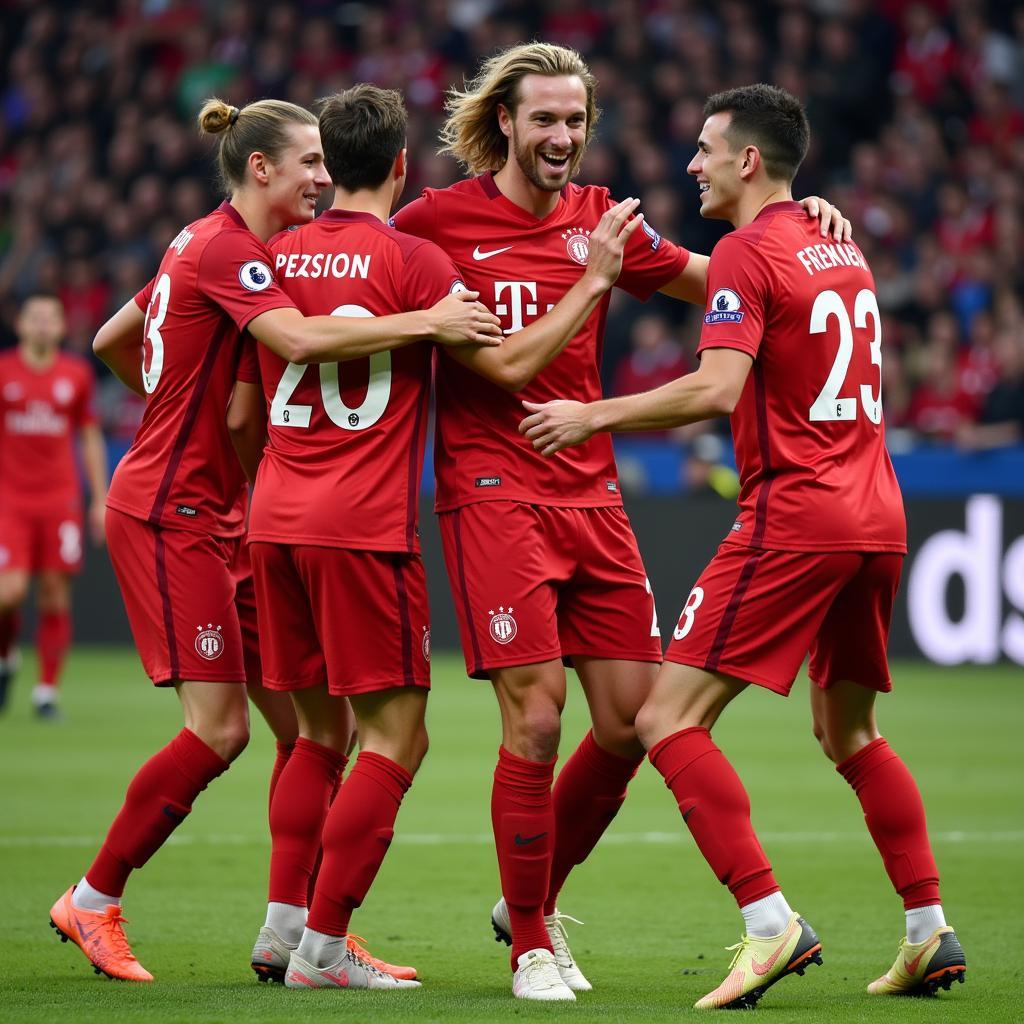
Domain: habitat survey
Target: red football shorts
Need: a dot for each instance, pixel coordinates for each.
(179, 590)
(356, 620)
(534, 582)
(755, 614)
(41, 541)
(245, 605)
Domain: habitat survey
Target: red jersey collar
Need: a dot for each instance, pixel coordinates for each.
(353, 216)
(493, 192)
(785, 206)
(228, 209)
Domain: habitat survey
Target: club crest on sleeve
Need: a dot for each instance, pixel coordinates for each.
(255, 276)
(577, 244)
(503, 626)
(209, 642)
(724, 308)
(425, 647)
(652, 235)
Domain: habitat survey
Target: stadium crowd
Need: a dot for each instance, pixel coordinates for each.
(917, 115)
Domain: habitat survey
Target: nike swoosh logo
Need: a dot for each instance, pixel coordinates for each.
(339, 979)
(173, 814)
(761, 969)
(911, 965)
(86, 935)
(526, 840)
(479, 254)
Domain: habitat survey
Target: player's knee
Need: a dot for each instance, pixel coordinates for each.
(618, 737)
(13, 591)
(227, 738)
(821, 735)
(536, 732)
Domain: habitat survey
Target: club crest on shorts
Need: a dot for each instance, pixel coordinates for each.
(209, 642)
(577, 244)
(502, 627)
(426, 643)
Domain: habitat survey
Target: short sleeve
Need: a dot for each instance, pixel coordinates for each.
(248, 361)
(649, 262)
(142, 297)
(235, 273)
(419, 217)
(738, 288)
(429, 276)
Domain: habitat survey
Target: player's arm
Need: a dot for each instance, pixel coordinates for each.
(456, 320)
(118, 343)
(247, 425)
(712, 390)
(94, 463)
(691, 285)
(524, 354)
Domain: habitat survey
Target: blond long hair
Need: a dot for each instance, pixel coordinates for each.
(260, 127)
(471, 133)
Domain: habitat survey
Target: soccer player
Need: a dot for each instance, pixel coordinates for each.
(176, 504)
(791, 349)
(541, 558)
(46, 401)
(335, 541)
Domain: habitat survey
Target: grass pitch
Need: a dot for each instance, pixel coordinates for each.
(656, 918)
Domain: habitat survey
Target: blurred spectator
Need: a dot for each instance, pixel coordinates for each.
(1002, 416)
(655, 357)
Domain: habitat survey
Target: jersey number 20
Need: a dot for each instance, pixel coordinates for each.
(285, 414)
(830, 405)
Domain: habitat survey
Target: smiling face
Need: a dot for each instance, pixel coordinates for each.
(296, 180)
(717, 170)
(548, 132)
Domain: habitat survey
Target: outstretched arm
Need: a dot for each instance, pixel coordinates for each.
(712, 390)
(456, 320)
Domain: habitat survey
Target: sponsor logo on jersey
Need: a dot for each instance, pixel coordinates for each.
(488, 481)
(611, 485)
(502, 627)
(63, 391)
(255, 276)
(425, 646)
(480, 254)
(736, 527)
(209, 642)
(652, 235)
(577, 244)
(186, 510)
(724, 308)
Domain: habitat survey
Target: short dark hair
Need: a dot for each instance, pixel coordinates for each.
(362, 130)
(769, 118)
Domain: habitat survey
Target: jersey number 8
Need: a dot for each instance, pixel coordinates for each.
(283, 413)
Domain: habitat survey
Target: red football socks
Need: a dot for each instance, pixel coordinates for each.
(523, 817)
(53, 638)
(157, 801)
(716, 810)
(588, 794)
(315, 874)
(282, 752)
(359, 829)
(10, 627)
(894, 813)
(297, 815)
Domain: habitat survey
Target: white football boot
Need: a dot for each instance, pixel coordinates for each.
(567, 968)
(537, 977)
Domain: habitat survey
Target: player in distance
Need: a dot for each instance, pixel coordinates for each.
(791, 350)
(176, 504)
(541, 558)
(335, 539)
(46, 401)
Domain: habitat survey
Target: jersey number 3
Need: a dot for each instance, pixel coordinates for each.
(283, 413)
(830, 405)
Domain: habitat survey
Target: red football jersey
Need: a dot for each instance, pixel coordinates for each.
(810, 443)
(522, 266)
(40, 412)
(181, 470)
(345, 444)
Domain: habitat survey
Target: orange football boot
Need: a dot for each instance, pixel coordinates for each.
(402, 973)
(99, 934)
